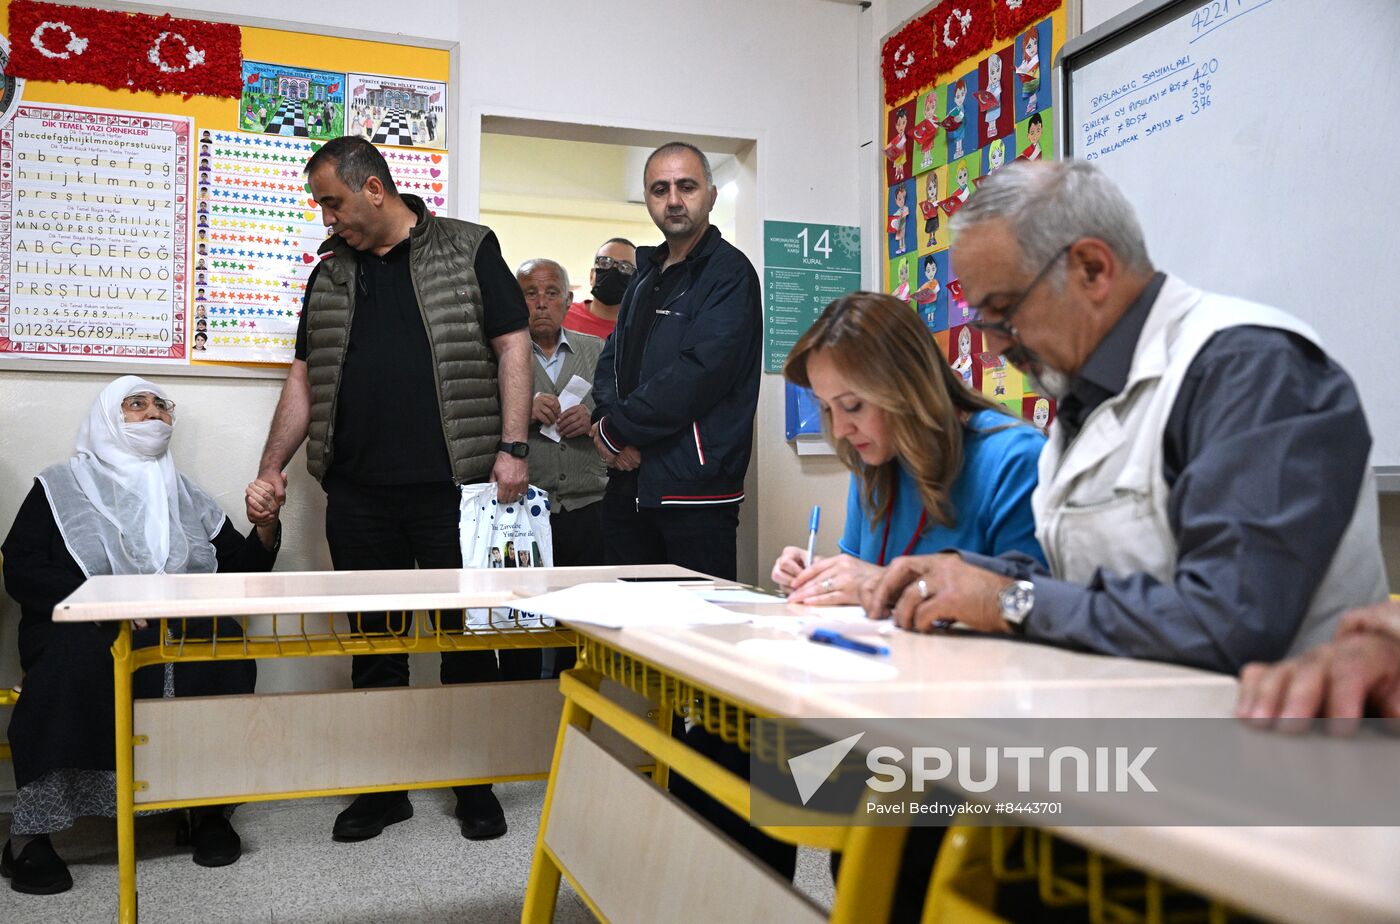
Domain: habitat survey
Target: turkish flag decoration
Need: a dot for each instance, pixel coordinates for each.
(1013, 16)
(124, 50)
(961, 29)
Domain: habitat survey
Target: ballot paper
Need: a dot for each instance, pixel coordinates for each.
(619, 605)
(735, 595)
(572, 396)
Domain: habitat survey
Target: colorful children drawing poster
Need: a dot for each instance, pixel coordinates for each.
(930, 147)
(961, 187)
(400, 111)
(1034, 137)
(900, 220)
(959, 311)
(964, 344)
(996, 97)
(933, 228)
(1039, 410)
(898, 122)
(94, 204)
(1030, 55)
(994, 155)
(295, 102)
(1000, 381)
(257, 232)
(903, 277)
(961, 122)
(931, 297)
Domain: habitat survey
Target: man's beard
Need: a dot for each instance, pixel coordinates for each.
(1044, 379)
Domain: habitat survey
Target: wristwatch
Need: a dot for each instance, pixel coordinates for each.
(1016, 600)
(519, 450)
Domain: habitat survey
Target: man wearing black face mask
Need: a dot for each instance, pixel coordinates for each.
(613, 267)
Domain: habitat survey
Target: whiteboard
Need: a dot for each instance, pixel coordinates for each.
(1259, 141)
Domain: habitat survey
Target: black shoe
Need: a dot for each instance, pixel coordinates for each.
(214, 841)
(38, 870)
(480, 812)
(370, 813)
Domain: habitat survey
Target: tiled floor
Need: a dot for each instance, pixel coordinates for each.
(421, 871)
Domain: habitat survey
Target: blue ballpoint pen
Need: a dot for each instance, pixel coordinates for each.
(812, 525)
(837, 640)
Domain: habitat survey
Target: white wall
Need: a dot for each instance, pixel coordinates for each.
(781, 72)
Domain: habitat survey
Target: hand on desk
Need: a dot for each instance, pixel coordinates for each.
(1355, 673)
(919, 590)
(834, 581)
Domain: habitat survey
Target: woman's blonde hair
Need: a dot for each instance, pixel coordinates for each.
(892, 362)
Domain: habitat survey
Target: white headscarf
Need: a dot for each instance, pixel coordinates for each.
(120, 505)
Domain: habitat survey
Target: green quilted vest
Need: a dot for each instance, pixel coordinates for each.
(442, 257)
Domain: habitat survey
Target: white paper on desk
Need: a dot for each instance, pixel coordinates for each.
(617, 605)
(724, 595)
(572, 396)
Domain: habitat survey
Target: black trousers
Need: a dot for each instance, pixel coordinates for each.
(370, 527)
(701, 538)
(578, 540)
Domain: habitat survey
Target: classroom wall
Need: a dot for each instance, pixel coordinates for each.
(782, 73)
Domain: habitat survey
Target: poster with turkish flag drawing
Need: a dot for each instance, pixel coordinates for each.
(400, 111)
(293, 102)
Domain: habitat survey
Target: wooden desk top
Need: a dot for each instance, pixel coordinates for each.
(1303, 874)
(172, 596)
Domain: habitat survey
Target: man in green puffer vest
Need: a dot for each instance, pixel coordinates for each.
(411, 377)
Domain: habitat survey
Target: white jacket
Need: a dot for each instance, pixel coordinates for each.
(1102, 500)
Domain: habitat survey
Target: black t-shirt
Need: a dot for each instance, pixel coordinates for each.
(388, 428)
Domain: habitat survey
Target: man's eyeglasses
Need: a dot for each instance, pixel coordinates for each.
(607, 263)
(140, 404)
(1003, 327)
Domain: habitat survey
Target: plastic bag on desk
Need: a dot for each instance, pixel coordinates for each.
(495, 535)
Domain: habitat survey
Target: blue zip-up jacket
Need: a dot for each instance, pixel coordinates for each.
(692, 412)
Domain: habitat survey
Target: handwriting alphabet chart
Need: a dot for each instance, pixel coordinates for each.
(94, 219)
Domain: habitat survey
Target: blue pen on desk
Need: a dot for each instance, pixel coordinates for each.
(812, 525)
(837, 640)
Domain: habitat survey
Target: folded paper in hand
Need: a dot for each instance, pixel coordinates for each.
(572, 396)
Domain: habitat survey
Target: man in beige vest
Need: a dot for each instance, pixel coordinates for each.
(563, 461)
(1205, 497)
(411, 378)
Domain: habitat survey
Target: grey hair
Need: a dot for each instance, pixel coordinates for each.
(529, 266)
(1051, 204)
(675, 147)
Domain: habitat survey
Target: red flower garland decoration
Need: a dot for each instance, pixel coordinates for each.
(1013, 16)
(124, 50)
(961, 29)
(906, 61)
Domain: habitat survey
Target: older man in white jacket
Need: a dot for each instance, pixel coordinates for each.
(1206, 495)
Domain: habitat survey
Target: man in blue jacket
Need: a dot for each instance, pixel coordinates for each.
(677, 383)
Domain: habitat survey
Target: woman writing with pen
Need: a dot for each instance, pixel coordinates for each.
(933, 464)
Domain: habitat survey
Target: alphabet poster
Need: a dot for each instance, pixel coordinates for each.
(93, 233)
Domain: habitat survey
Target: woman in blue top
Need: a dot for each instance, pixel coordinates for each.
(934, 465)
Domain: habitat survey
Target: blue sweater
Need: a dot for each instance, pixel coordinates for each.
(991, 499)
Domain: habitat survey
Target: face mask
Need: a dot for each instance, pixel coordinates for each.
(149, 439)
(609, 286)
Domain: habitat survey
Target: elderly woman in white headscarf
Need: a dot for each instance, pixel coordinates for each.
(118, 506)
